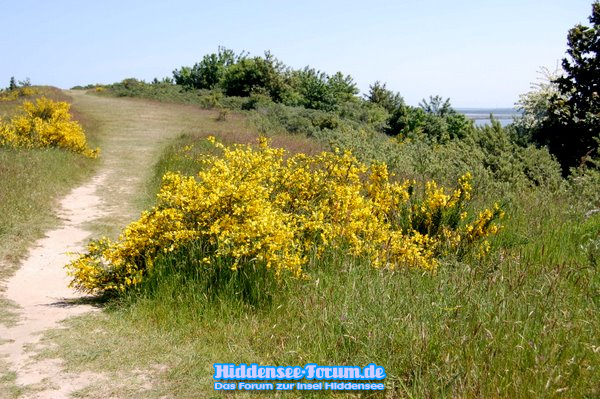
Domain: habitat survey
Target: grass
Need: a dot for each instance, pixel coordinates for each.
(31, 183)
(524, 322)
(8, 386)
(132, 134)
(507, 327)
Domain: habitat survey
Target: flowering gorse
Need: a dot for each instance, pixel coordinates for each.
(13, 95)
(44, 123)
(264, 206)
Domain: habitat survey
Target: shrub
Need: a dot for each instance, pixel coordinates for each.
(263, 208)
(585, 182)
(208, 73)
(320, 91)
(17, 93)
(45, 123)
(256, 75)
(497, 162)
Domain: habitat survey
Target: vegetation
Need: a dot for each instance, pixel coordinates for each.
(560, 114)
(360, 255)
(45, 123)
(522, 319)
(31, 180)
(569, 124)
(257, 209)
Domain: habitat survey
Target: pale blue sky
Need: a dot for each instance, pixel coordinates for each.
(477, 53)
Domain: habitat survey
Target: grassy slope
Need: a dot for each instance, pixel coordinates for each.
(523, 323)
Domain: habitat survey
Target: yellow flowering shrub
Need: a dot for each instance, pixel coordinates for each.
(264, 206)
(13, 95)
(44, 123)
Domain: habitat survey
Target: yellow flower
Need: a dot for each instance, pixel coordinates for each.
(45, 123)
(261, 206)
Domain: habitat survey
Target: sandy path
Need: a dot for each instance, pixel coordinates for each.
(40, 290)
(132, 133)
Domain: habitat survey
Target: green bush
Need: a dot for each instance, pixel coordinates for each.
(495, 160)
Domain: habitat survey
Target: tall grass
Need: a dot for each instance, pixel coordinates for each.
(523, 322)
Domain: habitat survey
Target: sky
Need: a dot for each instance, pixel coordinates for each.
(478, 53)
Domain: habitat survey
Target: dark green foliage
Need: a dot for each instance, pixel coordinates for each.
(517, 323)
(256, 75)
(272, 117)
(436, 120)
(440, 144)
(25, 83)
(317, 90)
(365, 113)
(208, 73)
(508, 162)
(405, 120)
(582, 80)
(442, 122)
(437, 106)
(388, 100)
(14, 85)
(243, 76)
(574, 113)
(498, 164)
(342, 87)
(312, 87)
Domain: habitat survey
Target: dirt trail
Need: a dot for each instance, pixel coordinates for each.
(131, 133)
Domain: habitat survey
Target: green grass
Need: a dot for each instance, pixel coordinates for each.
(8, 387)
(30, 183)
(524, 322)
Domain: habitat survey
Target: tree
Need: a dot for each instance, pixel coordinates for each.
(437, 106)
(317, 90)
(572, 120)
(535, 105)
(183, 77)
(441, 122)
(256, 75)
(25, 83)
(582, 80)
(342, 87)
(208, 73)
(312, 88)
(13, 84)
(380, 95)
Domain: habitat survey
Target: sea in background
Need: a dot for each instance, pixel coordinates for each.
(481, 116)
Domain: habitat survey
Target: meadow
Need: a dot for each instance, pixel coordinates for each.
(518, 319)
(522, 321)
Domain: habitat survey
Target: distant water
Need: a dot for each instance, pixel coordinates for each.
(481, 116)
